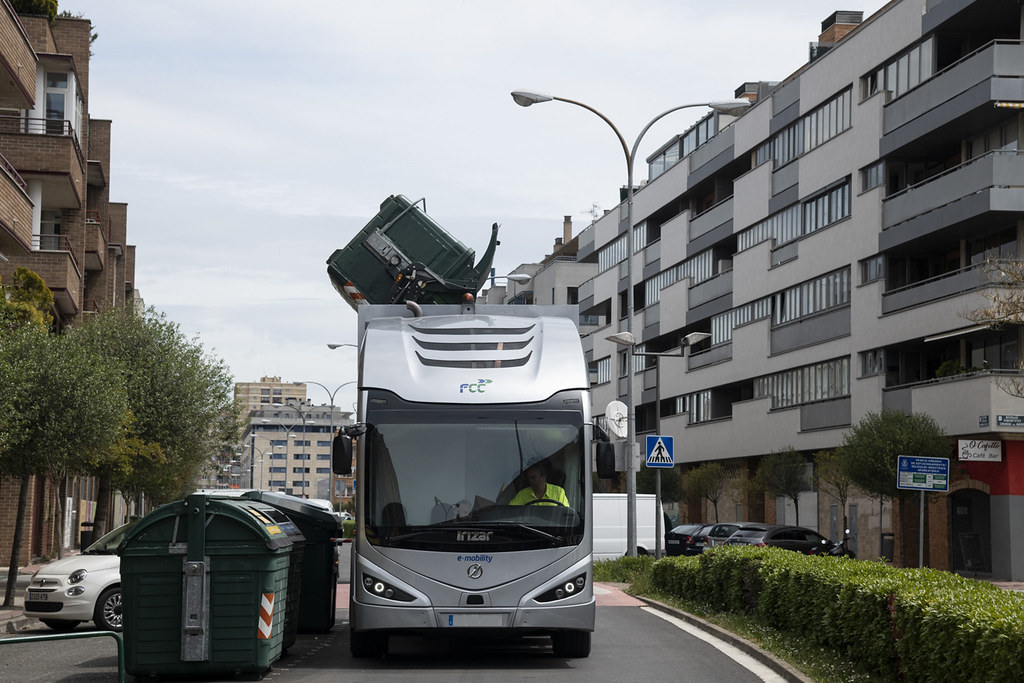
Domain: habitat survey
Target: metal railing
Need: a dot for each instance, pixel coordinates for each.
(33, 126)
(54, 243)
(75, 636)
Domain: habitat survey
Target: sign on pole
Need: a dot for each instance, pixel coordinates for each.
(923, 474)
(660, 451)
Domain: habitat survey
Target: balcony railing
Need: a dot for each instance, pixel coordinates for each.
(33, 126)
(54, 243)
(13, 172)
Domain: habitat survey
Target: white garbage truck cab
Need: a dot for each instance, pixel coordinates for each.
(462, 411)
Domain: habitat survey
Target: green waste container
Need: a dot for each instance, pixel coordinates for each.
(321, 529)
(204, 583)
(403, 255)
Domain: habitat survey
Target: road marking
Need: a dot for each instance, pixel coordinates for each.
(743, 659)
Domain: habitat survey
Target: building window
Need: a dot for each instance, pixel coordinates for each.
(323, 470)
(278, 456)
(872, 269)
(904, 72)
(722, 325)
(807, 384)
(299, 484)
(830, 206)
(300, 470)
(872, 362)
(604, 370)
(697, 406)
(813, 296)
(612, 254)
(873, 176)
(278, 470)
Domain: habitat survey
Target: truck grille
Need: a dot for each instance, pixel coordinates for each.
(494, 347)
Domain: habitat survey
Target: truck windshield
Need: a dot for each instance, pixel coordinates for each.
(454, 479)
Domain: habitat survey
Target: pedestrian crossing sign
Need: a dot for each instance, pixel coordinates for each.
(659, 451)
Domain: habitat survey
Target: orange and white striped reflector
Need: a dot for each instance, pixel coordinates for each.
(266, 616)
(356, 296)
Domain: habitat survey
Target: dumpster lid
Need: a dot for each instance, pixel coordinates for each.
(264, 522)
(293, 506)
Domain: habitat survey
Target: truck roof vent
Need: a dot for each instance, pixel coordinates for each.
(473, 347)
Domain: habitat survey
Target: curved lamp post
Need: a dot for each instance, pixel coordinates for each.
(332, 394)
(731, 107)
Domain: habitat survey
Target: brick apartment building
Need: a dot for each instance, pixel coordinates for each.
(56, 218)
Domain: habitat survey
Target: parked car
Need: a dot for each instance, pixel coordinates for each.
(677, 539)
(84, 587)
(796, 538)
(695, 546)
(720, 532)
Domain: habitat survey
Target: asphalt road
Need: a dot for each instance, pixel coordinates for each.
(632, 642)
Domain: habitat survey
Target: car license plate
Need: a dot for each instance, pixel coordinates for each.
(38, 597)
(476, 620)
(673, 541)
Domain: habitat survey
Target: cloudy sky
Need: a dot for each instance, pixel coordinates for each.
(251, 139)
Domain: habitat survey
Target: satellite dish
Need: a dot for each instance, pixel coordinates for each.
(617, 418)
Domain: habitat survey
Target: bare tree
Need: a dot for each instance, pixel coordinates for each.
(1005, 307)
(710, 480)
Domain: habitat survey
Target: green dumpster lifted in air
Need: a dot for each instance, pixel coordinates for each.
(403, 255)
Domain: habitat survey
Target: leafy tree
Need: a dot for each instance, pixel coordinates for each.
(830, 469)
(25, 301)
(784, 473)
(872, 447)
(66, 403)
(46, 8)
(181, 401)
(1005, 308)
(671, 482)
(710, 480)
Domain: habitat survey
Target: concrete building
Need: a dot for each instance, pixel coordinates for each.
(830, 241)
(57, 220)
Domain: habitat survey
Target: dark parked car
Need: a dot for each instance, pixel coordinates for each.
(795, 538)
(677, 539)
(720, 532)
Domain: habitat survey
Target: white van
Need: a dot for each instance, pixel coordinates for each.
(610, 525)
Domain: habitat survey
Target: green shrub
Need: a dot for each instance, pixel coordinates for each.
(906, 623)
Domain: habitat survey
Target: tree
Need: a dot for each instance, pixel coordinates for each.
(872, 447)
(784, 473)
(830, 469)
(25, 301)
(181, 402)
(1006, 307)
(46, 8)
(65, 404)
(710, 480)
(671, 482)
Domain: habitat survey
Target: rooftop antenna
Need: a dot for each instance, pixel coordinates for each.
(594, 211)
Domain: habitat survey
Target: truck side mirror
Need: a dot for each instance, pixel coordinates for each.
(341, 455)
(606, 460)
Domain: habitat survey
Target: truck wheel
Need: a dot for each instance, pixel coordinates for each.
(368, 644)
(571, 644)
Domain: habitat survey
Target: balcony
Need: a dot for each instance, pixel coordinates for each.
(96, 237)
(18, 62)
(47, 151)
(16, 223)
(53, 259)
(947, 285)
(718, 215)
(990, 183)
(972, 403)
(966, 88)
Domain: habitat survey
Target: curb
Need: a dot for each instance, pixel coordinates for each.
(780, 667)
(15, 624)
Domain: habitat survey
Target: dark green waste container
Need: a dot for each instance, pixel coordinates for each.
(320, 528)
(204, 583)
(403, 255)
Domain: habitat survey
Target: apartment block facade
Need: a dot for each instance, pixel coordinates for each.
(56, 216)
(830, 241)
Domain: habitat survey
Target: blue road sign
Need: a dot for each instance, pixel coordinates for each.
(659, 451)
(923, 474)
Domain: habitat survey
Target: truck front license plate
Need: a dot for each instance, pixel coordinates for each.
(476, 620)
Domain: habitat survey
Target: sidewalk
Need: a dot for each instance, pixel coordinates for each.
(12, 620)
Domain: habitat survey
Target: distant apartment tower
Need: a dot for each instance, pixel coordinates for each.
(267, 391)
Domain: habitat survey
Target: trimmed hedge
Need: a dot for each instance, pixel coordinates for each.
(914, 624)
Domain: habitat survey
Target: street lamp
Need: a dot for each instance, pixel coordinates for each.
(628, 340)
(305, 436)
(332, 394)
(730, 107)
(336, 346)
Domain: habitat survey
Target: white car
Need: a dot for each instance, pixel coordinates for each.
(85, 587)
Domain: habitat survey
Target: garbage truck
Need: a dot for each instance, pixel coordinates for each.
(473, 447)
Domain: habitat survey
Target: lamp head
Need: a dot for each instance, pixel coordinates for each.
(622, 338)
(730, 107)
(524, 98)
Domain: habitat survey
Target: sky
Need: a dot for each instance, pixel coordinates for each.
(251, 139)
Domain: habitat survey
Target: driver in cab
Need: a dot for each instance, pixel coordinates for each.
(539, 491)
